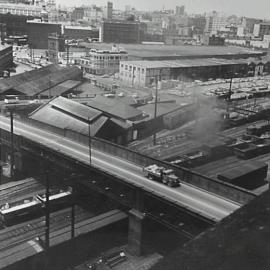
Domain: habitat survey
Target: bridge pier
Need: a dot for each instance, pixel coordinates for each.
(135, 232)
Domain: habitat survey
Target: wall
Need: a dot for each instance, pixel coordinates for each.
(38, 34)
(229, 191)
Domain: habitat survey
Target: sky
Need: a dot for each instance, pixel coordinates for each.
(248, 8)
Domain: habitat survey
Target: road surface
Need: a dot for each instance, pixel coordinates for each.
(197, 200)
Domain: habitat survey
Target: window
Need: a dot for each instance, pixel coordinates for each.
(126, 67)
(142, 70)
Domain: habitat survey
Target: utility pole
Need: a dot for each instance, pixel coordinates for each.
(47, 210)
(155, 112)
(12, 146)
(89, 141)
(67, 54)
(73, 211)
(49, 86)
(1, 146)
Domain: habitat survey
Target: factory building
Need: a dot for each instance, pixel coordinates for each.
(147, 73)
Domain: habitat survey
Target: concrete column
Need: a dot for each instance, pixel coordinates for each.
(135, 232)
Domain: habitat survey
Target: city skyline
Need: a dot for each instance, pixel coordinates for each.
(238, 7)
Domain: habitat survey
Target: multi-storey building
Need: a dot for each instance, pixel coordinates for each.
(197, 23)
(20, 9)
(248, 24)
(117, 31)
(261, 29)
(6, 57)
(80, 32)
(38, 33)
(108, 11)
(15, 24)
(215, 22)
(56, 43)
(93, 14)
(180, 10)
(77, 14)
(101, 62)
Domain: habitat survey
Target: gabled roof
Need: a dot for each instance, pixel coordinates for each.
(114, 108)
(36, 81)
(70, 115)
(61, 88)
(74, 108)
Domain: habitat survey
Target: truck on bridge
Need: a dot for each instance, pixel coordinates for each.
(162, 175)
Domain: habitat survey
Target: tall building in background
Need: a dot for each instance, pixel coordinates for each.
(20, 9)
(215, 22)
(108, 11)
(180, 10)
(38, 33)
(248, 24)
(117, 31)
(261, 29)
(56, 43)
(15, 24)
(77, 14)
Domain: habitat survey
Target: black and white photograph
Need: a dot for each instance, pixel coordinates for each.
(134, 135)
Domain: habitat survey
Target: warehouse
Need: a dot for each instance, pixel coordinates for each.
(147, 73)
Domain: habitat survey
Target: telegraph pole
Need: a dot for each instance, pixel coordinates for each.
(47, 210)
(155, 112)
(1, 146)
(12, 146)
(67, 54)
(89, 141)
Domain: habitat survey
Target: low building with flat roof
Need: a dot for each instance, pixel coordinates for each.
(175, 52)
(147, 73)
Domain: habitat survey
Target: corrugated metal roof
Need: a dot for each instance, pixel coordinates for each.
(114, 107)
(61, 88)
(36, 81)
(75, 108)
(242, 170)
(162, 108)
(183, 63)
(60, 119)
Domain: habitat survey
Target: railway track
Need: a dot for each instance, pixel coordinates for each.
(20, 233)
(19, 190)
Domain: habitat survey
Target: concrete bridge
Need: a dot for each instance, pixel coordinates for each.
(117, 173)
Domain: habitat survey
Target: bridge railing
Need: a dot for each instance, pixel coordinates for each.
(218, 187)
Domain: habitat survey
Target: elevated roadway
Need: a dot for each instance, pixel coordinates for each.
(199, 201)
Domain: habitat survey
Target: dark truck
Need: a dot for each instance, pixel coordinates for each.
(161, 175)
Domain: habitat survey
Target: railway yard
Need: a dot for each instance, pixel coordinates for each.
(23, 233)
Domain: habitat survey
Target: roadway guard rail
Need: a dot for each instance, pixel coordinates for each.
(231, 192)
